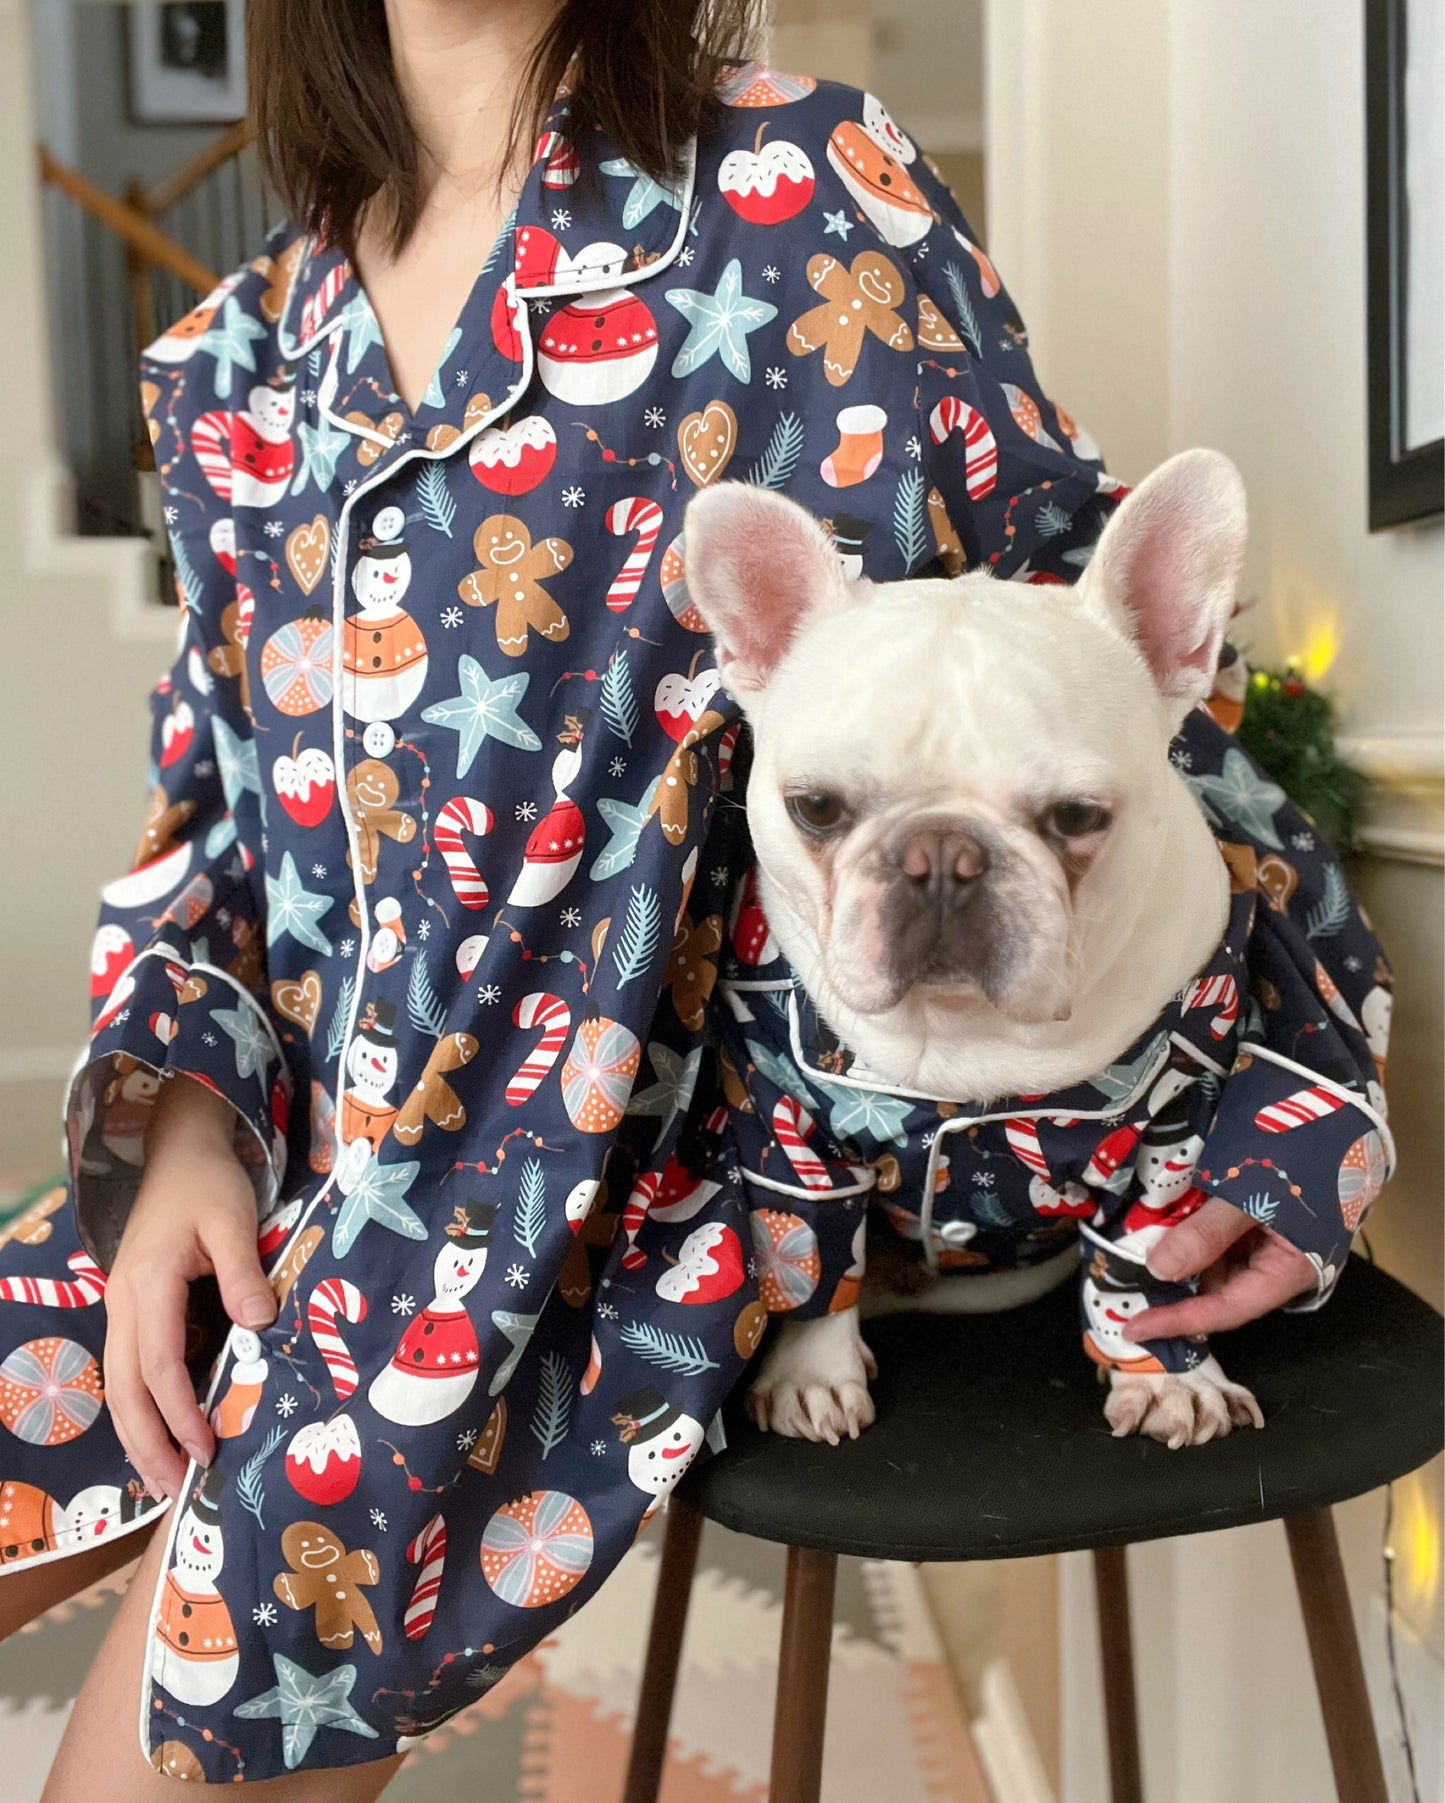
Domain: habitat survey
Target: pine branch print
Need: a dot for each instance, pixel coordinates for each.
(553, 1411)
(186, 578)
(436, 499)
(313, 365)
(531, 1206)
(776, 466)
(637, 945)
(1331, 912)
(249, 1486)
(336, 1032)
(963, 306)
(423, 1005)
(910, 520)
(1051, 520)
(676, 1352)
(619, 704)
(1262, 1208)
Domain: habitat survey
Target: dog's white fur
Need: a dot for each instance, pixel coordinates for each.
(981, 703)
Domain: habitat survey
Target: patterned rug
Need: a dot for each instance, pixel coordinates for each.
(557, 1730)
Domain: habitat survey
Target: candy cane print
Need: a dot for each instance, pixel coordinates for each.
(980, 451)
(429, 1550)
(644, 517)
(793, 1126)
(53, 1292)
(1298, 1110)
(1221, 993)
(211, 443)
(644, 1194)
(336, 1296)
(554, 1017)
(1023, 1139)
(464, 816)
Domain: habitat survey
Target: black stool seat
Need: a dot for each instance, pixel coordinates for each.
(991, 1441)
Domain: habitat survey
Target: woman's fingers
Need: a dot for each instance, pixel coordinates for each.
(137, 1421)
(1245, 1295)
(1194, 1245)
(161, 1353)
(230, 1244)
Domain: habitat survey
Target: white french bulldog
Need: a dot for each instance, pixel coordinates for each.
(972, 845)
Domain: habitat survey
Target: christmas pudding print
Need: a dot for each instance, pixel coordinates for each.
(788, 1262)
(598, 1074)
(537, 1549)
(50, 1391)
(1363, 1171)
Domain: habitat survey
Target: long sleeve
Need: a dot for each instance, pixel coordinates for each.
(178, 962)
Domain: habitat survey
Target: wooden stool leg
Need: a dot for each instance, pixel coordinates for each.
(1319, 1577)
(682, 1531)
(802, 1703)
(1116, 1646)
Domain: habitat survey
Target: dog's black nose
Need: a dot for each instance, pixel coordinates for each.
(941, 857)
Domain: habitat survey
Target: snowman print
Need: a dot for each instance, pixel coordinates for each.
(1168, 1153)
(436, 1365)
(661, 1443)
(555, 845)
(384, 654)
(263, 458)
(367, 1111)
(195, 1657)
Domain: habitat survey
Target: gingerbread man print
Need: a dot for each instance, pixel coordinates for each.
(511, 580)
(325, 1577)
(860, 299)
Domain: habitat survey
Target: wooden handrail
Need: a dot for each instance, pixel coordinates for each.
(190, 175)
(134, 228)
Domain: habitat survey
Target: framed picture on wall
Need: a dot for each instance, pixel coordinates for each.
(188, 62)
(1405, 230)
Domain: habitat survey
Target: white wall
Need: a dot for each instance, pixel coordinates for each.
(1176, 199)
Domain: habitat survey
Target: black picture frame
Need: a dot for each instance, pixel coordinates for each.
(1406, 482)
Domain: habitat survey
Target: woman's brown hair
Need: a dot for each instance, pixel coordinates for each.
(333, 128)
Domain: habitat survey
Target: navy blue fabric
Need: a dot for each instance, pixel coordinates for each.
(428, 890)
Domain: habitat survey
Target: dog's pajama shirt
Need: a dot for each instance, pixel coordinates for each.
(428, 890)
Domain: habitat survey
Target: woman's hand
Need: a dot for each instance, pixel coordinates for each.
(1244, 1271)
(194, 1214)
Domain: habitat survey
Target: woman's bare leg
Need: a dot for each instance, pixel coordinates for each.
(26, 1592)
(100, 1755)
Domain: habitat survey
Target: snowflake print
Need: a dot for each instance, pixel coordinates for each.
(927, 1140)
(403, 1304)
(1303, 841)
(540, 307)
(598, 1448)
(423, 929)
(526, 810)
(985, 1179)
(752, 1267)
(776, 378)
(466, 1439)
(607, 1310)
(489, 992)
(273, 528)
(318, 870)
(517, 1277)
(571, 917)
(720, 873)
(561, 219)
(348, 486)
(286, 1405)
(208, 1038)
(463, 377)
(347, 947)
(772, 273)
(914, 449)
(223, 915)
(573, 497)
(685, 256)
(1354, 963)
(655, 417)
(617, 766)
(308, 397)
(172, 515)
(451, 616)
(264, 1615)
(1181, 759)
(378, 1520)
(124, 1016)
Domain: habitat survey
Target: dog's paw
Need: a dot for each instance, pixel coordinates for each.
(814, 1381)
(1183, 1409)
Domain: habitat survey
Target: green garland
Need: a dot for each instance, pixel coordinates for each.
(1289, 728)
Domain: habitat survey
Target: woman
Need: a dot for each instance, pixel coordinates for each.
(432, 891)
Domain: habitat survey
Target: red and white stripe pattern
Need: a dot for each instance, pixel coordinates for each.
(1221, 994)
(1023, 1139)
(633, 514)
(554, 1017)
(980, 449)
(560, 157)
(211, 442)
(429, 1550)
(644, 1194)
(318, 305)
(793, 1127)
(459, 817)
(1298, 1110)
(333, 1298)
(55, 1292)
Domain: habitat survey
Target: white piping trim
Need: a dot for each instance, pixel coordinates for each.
(1316, 1081)
(811, 1195)
(150, 1519)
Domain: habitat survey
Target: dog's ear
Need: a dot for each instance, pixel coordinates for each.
(1167, 567)
(758, 567)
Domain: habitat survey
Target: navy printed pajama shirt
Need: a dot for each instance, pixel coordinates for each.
(428, 888)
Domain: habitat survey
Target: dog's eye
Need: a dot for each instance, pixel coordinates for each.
(817, 812)
(1076, 819)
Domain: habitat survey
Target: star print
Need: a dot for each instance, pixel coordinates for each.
(676, 1080)
(361, 329)
(306, 1704)
(292, 909)
(719, 324)
(483, 709)
(230, 344)
(624, 826)
(377, 1192)
(434, 397)
(1242, 795)
(253, 1048)
(645, 195)
(839, 224)
(240, 770)
(321, 448)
